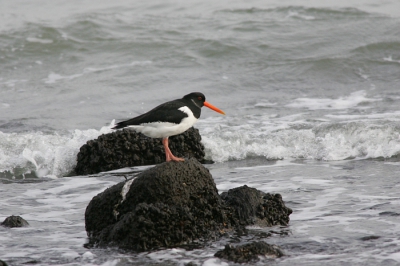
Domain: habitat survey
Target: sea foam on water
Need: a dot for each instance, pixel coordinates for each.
(43, 154)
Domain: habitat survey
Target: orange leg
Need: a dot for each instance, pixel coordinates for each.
(168, 154)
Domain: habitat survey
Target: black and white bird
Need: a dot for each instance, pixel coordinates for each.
(169, 119)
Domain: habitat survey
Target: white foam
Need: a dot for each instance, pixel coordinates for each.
(285, 138)
(214, 262)
(88, 255)
(3, 239)
(48, 155)
(11, 83)
(54, 155)
(390, 59)
(68, 183)
(390, 116)
(37, 40)
(15, 254)
(312, 181)
(54, 77)
(61, 202)
(345, 102)
(134, 63)
(394, 256)
(225, 186)
(265, 104)
(181, 256)
(70, 254)
(295, 14)
(111, 262)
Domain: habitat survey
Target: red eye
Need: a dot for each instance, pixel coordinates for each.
(200, 98)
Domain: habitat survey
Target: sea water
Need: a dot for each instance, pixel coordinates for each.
(311, 95)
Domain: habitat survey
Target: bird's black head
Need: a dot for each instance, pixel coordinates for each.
(197, 98)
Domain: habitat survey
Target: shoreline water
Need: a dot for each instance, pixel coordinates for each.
(333, 203)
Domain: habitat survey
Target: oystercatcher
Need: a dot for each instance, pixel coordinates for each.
(169, 119)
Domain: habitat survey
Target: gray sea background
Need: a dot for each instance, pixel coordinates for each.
(311, 92)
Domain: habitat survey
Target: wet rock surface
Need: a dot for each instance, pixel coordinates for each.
(171, 204)
(174, 204)
(15, 221)
(126, 148)
(253, 206)
(249, 252)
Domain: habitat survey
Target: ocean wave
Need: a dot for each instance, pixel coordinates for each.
(301, 12)
(54, 155)
(330, 141)
(378, 53)
(353, 100)
(54, 77)
(42, 154)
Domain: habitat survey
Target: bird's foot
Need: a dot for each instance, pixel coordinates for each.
(168, 154)
(173, 158)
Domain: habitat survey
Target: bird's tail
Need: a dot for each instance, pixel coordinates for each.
(120, 125)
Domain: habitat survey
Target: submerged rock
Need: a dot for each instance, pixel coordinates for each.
(126, 148)
(15, 221)
(249, 252)
(254, 206)
(174, 204)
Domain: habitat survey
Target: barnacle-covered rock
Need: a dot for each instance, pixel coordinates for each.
(14, 221)
(127, 148)
(176, 204)
(249, 252)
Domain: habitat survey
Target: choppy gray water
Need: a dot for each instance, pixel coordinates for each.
(311, 92)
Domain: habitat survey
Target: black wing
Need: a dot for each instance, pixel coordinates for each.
(166, 112)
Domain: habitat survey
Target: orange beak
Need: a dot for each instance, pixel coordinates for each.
(212, 107)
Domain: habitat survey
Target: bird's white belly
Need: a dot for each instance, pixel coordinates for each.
(166, 129)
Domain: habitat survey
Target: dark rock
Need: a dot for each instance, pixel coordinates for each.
(126, 148)
(176, 204)
(367, 238)
(2, 263)
(190, 264)
(254, 206)
(15, 221)
(249, 252)
(389, 213)
(169, 205)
